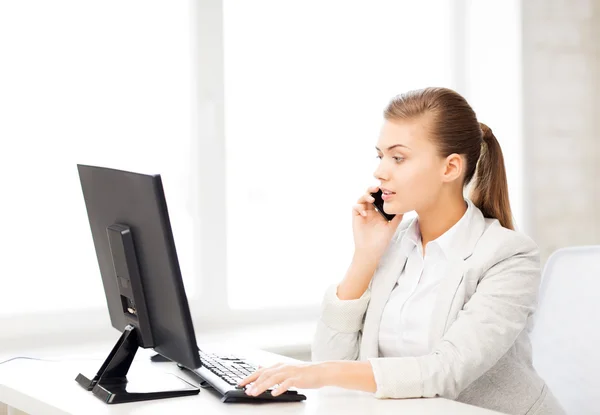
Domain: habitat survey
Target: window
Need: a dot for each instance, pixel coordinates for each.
(265, 194)
(305, 86)
(493, 74)
(104, 83)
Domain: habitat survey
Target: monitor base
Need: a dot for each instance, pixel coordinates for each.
(112, 386)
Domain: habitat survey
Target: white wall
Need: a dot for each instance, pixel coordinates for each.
(561, 113)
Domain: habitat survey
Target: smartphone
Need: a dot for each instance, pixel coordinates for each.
(378, 203)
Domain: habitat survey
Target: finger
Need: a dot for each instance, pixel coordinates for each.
(288, 383)
(267, 380)
(366, 198)
(255, 375)
(251, 378)
(360, 210)
(373, 189)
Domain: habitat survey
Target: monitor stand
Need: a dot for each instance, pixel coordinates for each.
(112, 386)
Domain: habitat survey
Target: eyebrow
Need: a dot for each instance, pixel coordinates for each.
(392, 147)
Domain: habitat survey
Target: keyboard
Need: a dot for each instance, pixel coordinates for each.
(224, 372)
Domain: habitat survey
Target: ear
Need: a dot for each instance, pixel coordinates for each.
(453, 167)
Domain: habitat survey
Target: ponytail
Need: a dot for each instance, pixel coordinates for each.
(490, 187)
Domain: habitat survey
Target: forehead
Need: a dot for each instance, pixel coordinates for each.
(413, 133)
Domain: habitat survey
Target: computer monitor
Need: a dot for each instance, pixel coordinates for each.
(142, 281)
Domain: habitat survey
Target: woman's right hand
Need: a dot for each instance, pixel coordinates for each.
(372, 232)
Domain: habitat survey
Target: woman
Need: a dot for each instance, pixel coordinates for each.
(440, 305)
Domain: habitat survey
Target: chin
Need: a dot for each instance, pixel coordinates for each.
(393, 208)
(396, 207)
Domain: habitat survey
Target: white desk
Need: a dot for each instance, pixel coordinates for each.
(49, 388)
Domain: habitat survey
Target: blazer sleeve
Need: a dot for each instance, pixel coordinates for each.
(339, 329)
(484, 330)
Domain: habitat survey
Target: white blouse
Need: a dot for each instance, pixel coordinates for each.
(404, 328)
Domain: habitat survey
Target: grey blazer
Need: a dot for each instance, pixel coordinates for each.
(479, 329)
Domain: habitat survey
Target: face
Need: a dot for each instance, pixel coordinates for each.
(411, 167)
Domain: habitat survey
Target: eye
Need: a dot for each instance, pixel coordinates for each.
(396, 159)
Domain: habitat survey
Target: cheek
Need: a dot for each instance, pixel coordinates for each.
(416, 185)
(411, 178)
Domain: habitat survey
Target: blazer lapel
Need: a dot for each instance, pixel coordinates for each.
(382, 286)
(463, 248)
(446, 293)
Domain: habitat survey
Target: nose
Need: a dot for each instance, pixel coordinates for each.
(380, 172)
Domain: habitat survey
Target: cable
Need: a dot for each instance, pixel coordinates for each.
(26, 358)
(46, 360)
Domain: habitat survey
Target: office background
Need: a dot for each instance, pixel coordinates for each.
(262, 116)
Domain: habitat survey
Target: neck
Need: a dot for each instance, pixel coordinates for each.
(434, 222)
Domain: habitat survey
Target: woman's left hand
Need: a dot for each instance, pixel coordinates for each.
(303, 376)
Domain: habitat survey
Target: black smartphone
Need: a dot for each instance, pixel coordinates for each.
(378, 203)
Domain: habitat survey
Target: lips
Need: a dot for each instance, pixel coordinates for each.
(387, 191)
(387, 196)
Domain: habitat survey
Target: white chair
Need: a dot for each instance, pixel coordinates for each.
(566, 332)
